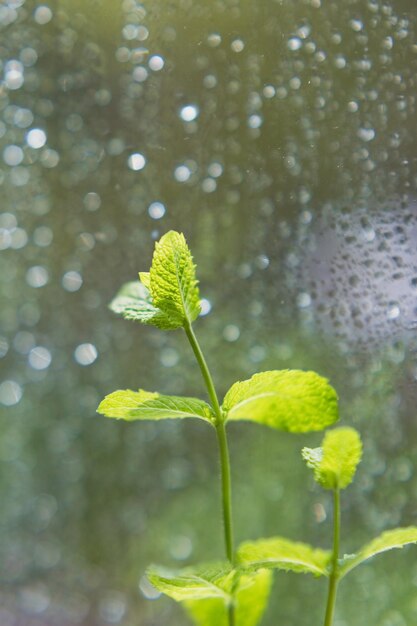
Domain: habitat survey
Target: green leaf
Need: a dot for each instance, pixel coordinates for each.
(133, 301)
(173, 282)
(283, 554)
(145, 279)
(145, 405)
(252, 596)
(335, 463)
(214, 580)
(396, 538)
(290, 400)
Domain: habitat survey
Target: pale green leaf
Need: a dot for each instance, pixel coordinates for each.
(214, 580)
(396, 538)
(173, 282)
(335, 463)
(145, 279)
(134, 302)
(290, 400)
(283, 554)
(252, 596)
(145, 405)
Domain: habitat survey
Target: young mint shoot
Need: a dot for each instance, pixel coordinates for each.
(334, 465)
(234, 593)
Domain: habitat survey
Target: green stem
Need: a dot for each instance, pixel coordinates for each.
(226, 490)
(334, 574)
(224, 455)
(204, 370)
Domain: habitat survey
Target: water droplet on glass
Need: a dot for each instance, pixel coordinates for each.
(156, 63)
(13, 75)
(136, 161)
(92, 201)
(37, 276)
(169, 357)
(237, 45)
(85, 354)
(189, 112)
(72, 281)
(294, 43)
(205, 306)
(42, 15)
(156, 210)
(182, 173)
(10, 392)
(39, 358)
(231, 332)
(13, 155)
(148, 590)
(36, 138)
(366, 134)
(214, 40)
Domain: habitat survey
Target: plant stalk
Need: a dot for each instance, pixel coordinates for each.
(226, 490)
(224, 456)
(334, 574)
(204, 370)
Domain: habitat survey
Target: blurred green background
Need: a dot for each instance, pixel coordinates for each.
(279, 136)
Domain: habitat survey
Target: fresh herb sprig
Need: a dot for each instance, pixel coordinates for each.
(235, 592)
(168, 297)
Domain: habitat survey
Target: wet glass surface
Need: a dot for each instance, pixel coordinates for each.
(279, 136)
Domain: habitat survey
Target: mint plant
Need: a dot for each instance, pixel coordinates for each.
(228, 593)
(334, 465)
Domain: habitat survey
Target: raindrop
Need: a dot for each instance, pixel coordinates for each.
(303, 300)
(269, 91)
(148, 590)
(231, 332)
(237, 45)
(215, 169)
(136, 161)
(10, 392)
(13, 155)
(393, 312)
(182, 173)
(23, 118)
(189, 112)
(205, 306)
(42, 236)
(42, 15)
(366, 134)
(85, 354)
(294, 43)
(356, 25)
(255, 121)
(28, 56)
(140, 74)
(156, 210)
(37, 276)
(214, 40)
(181, 548)
(39, 358)
(169, 357)
(13, 74)
(92, 201)
(156, 63)
(49, 158)
(209, 185)
(112, 608)
(36, 138)
(23, 342)
(72, 281)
